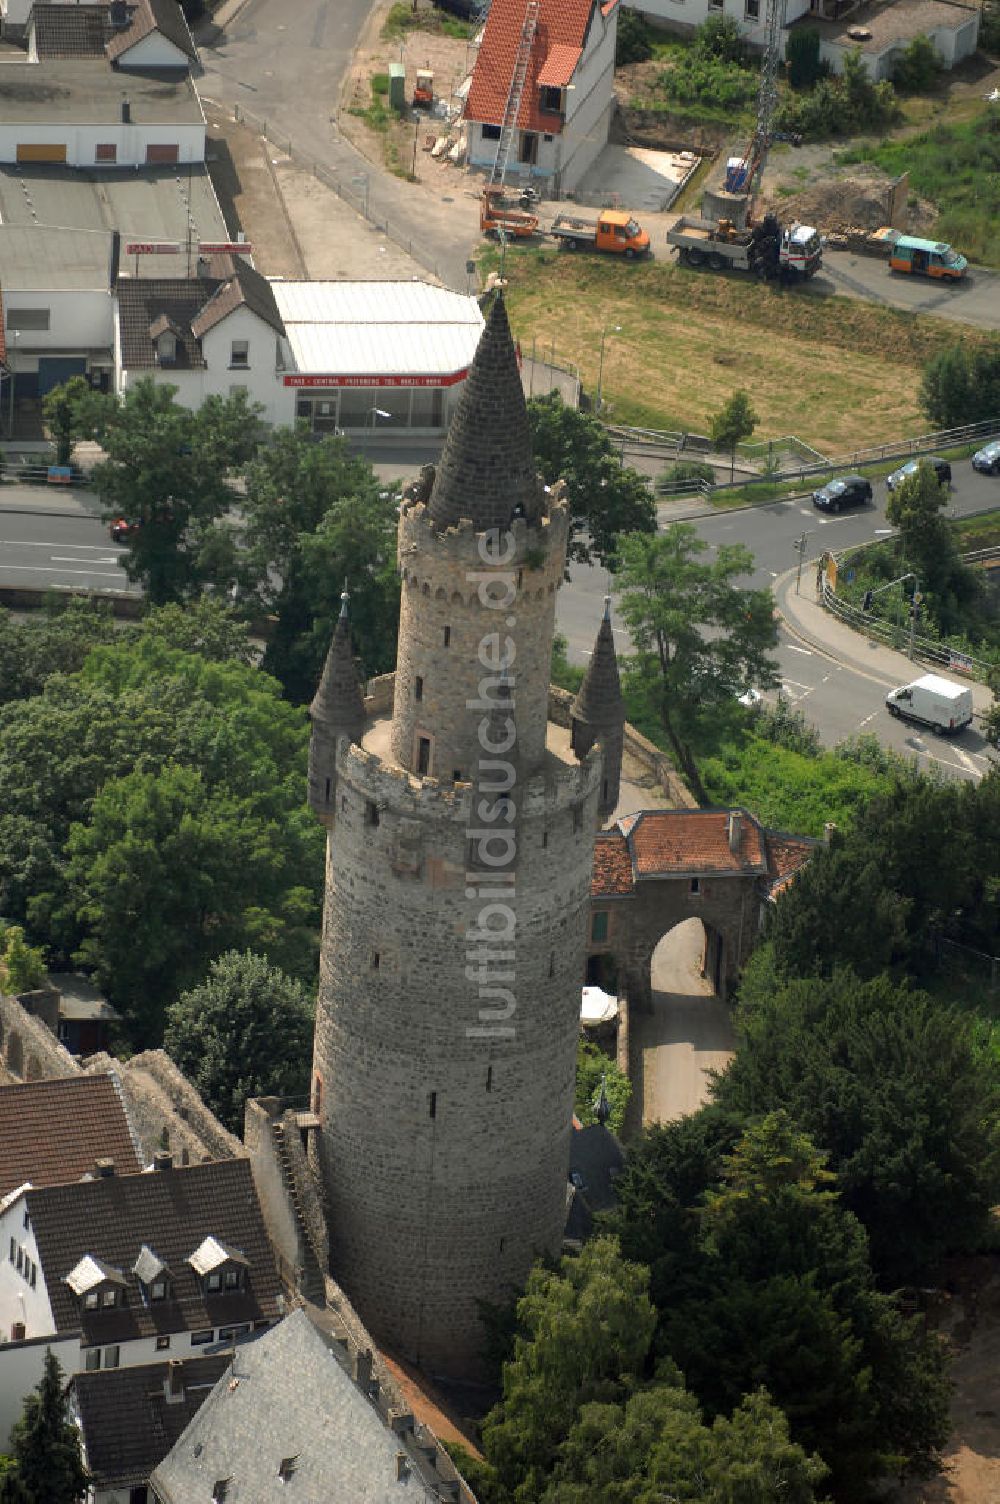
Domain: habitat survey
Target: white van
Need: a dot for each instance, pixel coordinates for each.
(932, 701)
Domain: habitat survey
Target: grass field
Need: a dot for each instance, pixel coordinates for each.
(839, 373)
(957, 166)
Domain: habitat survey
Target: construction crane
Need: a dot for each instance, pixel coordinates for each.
(751, 169)
(509, 124)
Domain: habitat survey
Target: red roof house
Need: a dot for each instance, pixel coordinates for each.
(562, 118)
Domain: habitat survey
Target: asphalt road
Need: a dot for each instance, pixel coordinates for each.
(839, 700)
(975, 300)
(47, 543)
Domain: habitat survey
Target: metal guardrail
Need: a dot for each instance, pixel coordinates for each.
(898, 636)
(41, 475)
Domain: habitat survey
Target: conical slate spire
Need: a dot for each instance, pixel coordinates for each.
(599, 702)
(338, 706)
(487, 471)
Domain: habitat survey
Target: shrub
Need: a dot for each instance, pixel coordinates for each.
(844, 105)
(633, 44)
(683, 470)
(719, 38)
(917, 70)
(802, 56)
(380, 83)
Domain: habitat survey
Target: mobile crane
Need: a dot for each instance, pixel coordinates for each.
(733, 240)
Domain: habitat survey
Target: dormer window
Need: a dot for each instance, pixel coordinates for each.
(97, 1285)
(152, 1274)
(165, 335)
(218, 1267)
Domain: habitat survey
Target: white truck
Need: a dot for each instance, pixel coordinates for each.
(932, 701)
(769, 250)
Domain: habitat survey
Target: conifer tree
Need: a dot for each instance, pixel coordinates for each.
(46, 1444)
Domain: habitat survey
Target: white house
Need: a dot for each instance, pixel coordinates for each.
(341, 356)
(878, 31)
(568, 95)
(122, 1270)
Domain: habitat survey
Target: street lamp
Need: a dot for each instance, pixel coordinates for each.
(362, 181)
(608, 329)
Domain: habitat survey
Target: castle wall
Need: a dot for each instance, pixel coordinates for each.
(454, 632)
(446, 1114)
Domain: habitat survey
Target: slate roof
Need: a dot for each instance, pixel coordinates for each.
(192, 305)
(599, 703)
(127, 1421)
(338, 706)
(561, 32)
(596, 1160)
(164, 16)
(171, 1212)
(53, 1131)
(487, 469)
(289, 1397)
(70, 30)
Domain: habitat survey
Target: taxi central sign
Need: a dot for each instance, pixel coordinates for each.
(302, 380)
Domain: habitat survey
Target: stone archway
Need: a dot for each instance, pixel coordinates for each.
(686, 1030)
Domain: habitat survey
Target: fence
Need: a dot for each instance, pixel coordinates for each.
(361, 202)
(896, 635)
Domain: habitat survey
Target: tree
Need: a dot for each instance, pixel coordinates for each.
(167, 473)
(893, 1086)
(22, 966)
(700, 639)
(802, 56)
(593, 1068)
(584, 1332)
(317, 519)
(54, 641)
(632, 44)
(46, 1444)
(734, 422)
(919, 67)
(245, 1031)
(607, 499)
(63, 410)
(961, 384)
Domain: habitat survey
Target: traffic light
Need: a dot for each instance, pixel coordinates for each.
(866, 604)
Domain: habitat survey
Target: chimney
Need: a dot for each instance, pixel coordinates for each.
(163, 1160)
(114, 259)
(173, 1384)
(735, 830)
(363, 1370)
(126, 112)
(104, 1168)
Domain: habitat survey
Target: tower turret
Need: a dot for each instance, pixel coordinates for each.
(598, 713)
(337, 709)
(458, 892)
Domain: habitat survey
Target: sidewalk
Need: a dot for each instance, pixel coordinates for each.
(806, 619)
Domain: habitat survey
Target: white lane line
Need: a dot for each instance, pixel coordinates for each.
(867, 719)
(72, 559)
(96, 574)
(90, 548)
(792, 648)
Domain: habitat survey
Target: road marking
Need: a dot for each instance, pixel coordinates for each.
(794, 648)
(867, 719)
(67, 559)
(89, 548)
(96, 574)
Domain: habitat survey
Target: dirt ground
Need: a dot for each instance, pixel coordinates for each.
(405, 148)
(970, 1322)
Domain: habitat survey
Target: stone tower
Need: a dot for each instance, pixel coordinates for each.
(461, 834)
(598, 713)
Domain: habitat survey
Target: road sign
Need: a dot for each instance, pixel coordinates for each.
(849, 576)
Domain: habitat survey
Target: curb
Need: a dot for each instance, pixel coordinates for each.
(48, 512)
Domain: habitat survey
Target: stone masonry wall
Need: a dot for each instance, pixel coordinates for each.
(444, 622)
(445, 1118)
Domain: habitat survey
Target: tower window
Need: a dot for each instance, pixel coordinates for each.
(423, 756)
(376, 960)
(371, 813)
(599, 927)
(578, 818)
(326, 795)
(343, 804)
(418, 688)
(694, 888)
(433, 1104)
(545, 840)
(502, 1242)
(456, 775)
(489, 1078)
(447, 637)
(552, 963)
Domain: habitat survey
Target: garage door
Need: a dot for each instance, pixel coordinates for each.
(27, 152)
(162, 153)
(53, 370)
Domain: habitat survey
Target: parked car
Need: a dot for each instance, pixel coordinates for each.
(987, 459)
(942, 470)
(121, 530)
(843, 491)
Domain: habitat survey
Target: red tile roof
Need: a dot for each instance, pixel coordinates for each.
(612, 872)
(51, 1132)
(562, 25)
(559, 67)
(668, 841)
(786, 856)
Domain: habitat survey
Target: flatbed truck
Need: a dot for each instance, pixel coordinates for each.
(614, 231)
(769, 249)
